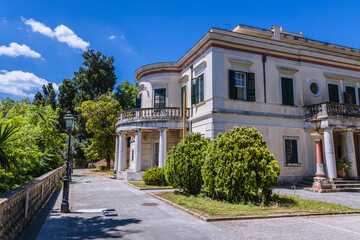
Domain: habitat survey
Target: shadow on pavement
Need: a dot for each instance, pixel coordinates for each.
(76, 227)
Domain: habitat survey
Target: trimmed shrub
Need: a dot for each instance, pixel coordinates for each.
(154, 176)
(184, 162)
(102, 167)
(239, 167)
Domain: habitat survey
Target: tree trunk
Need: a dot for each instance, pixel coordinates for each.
(108, 160)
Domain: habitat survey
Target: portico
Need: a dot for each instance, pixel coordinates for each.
(144, 136)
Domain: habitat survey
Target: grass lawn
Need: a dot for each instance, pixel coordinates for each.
(141, 184)
(280, 204)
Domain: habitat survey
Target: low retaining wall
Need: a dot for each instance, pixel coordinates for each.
(20, 204)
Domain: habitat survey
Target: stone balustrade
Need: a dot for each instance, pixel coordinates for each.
(153, 114)
(19, 205)
(332, 109)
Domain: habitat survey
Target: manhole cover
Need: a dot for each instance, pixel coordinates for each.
(150, 204)
(87, 181)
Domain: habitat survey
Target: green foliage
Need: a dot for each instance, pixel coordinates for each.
(184, 162)
(39, 99)
(343, 163)
(5, 137)
(239, 167)
(126, 94)
(154, 176)
(102, 167)
(49, 95)
(101, 117)
(36, 147)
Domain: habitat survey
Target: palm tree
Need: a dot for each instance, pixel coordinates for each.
(5, 133)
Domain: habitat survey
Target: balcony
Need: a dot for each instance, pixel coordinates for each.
(167, 117)
(337, 110)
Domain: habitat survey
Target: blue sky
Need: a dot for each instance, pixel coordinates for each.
(42, 41)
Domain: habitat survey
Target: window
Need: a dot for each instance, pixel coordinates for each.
(349, 95)
(159, 98)
(287, 91)
(315, 88)
(138, 101)
(241, 86)
(291, 151)
(197, 90)
(333, 92)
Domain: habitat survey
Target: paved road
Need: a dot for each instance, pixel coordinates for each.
(132, 220)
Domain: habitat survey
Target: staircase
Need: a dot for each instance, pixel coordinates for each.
(338, 184)
(346, 185)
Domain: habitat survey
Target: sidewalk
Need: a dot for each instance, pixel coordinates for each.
(127, 218)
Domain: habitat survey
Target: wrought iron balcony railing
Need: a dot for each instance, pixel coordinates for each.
(152, 114)
(332, 109)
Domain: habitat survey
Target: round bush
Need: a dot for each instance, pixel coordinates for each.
(154, 176)
(239, 167)
(184, 162)
(102, 167)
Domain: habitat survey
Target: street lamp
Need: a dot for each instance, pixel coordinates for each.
(69, 123)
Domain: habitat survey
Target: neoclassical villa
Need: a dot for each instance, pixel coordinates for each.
(269, 79)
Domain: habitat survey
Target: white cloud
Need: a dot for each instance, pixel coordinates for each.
(121, 36)
(112, 37)
(61, 33)
(20, 83)
(15, 50)
(4, 20)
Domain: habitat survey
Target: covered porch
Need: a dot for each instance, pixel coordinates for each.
(338, 136)
(144, 136)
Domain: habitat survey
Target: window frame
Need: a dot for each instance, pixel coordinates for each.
(244, 88)
(297, 139)
(319, 90)
(165, 97)
(198, 89)
(353, 85)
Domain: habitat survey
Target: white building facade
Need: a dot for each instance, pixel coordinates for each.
(272, 80)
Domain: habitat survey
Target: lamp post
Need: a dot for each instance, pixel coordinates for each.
(69, 122)
(316, 123)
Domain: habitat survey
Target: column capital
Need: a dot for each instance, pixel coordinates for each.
(137, 129)
(163, 129)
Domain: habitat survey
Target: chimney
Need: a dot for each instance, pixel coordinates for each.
(276, 30)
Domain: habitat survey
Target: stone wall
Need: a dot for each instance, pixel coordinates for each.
(19, 205)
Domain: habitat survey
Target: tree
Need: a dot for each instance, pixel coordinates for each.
(239, 167)
(5, 137)
(95, 77)
(126, 93)
(67, 92)
(184, 162)
(101, 117)
(39, 99)
(49, 95)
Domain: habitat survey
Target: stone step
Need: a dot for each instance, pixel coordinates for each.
(347, 185)
(350, 189)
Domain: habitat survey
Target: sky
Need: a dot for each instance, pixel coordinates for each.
(43, 41)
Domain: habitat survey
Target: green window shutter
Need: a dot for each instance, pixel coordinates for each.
(250, 86)
(193, 93)
(232, 88)
(291, 151)
(287, 91)
(333, 93)
(201, 87)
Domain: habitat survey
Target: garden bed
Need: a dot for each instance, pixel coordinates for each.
(142, 186)
(281, 206)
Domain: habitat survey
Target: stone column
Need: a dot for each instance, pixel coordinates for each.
(116, 156)
(329, 153)
(122, 152)
(162, 147)
(350, 151)
(137, 154)
(319, 159)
